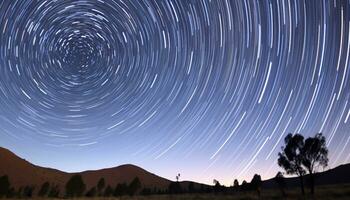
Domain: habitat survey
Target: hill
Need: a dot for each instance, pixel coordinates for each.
(22, 173)
(337, 175)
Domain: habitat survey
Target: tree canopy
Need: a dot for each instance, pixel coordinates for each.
(75, 186)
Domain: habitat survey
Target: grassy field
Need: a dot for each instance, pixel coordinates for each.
(339, 192)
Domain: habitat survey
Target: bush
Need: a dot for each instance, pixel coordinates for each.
(75, 187)
(28, 191)
(54, 192)
(256, 183)
(108, 191)
(4, 186)
(121, 189)
(134, 186)
(44, 189)
(100, 185)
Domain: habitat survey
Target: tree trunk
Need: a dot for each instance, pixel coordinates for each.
(312, 183)
(301, 178)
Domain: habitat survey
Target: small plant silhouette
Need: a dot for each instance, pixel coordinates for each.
(178, 177)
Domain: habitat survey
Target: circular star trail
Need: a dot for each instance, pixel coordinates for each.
(215, 84)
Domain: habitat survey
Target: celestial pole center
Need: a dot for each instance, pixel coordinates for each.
(208, 88)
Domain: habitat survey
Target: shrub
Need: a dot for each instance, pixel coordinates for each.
(4, 185)
(75, 187)
(44, 189)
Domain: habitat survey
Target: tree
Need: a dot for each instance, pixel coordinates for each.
(44, 189)
(134, 186)
(244, 185)
(121, 189)
(291, 157)
(279, 178)
(178, 177)
(54, 191)
(315, 154)
(256, 183)
(75, 186)
(100, 185)
(217, 186)
(28, 191)
(235, 183)
(4, 185)
(108, 191)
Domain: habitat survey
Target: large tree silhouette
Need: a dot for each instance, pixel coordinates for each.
(315, 154)
(299, 156)
(291, 157)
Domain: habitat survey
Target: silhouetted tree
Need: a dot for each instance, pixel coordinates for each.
(4, 185)
(315, 154)
(28, 191)
(54, 191)
(279, 178)
(75, 186)
(244, 185)
(108, 191)
(100, 185)
(256, 183)
(235, 183)
(120, 189)
(178, 177)
(44, 189)
(134, 186)
(291, 157)
(217, 186)
(91, 192)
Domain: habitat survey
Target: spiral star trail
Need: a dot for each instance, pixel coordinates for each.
(206, 88)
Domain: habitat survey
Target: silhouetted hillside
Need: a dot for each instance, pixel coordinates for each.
(337, 175)
(22, 173)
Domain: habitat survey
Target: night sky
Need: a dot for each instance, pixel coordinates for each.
(208, 89)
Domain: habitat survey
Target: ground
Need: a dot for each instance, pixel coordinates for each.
(339, 192)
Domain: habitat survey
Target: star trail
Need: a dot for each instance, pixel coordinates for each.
(208, 88)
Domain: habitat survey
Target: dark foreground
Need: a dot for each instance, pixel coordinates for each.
(341, 192)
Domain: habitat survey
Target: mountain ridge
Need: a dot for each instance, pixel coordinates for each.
(22, 173)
